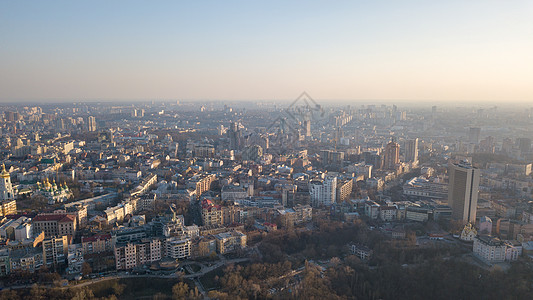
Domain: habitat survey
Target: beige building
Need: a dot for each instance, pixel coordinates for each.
(55, 250)
(230, 241)
(202, 183)
(97, 244)
(211, 213)
(8, 207)
(344, 190)
(55, 224)
(131, 255)
(178, 248)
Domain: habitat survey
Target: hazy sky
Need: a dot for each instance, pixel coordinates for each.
(412, 50)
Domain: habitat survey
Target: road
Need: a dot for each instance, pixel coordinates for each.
(195, 276)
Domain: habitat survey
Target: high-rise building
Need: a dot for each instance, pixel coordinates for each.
(463, 191)
(391, 156)
(323, 192)
(473, 135)
(524, 144)
(9, 116)
(91, 123)
(411, 150)
(307, 125)
(235, 136)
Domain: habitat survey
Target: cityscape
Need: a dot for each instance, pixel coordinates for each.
(266, 150)
(290, 202)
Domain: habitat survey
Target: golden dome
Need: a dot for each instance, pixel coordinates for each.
(4, 173)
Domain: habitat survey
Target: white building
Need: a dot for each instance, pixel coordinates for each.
(489, 249)
(6, 189)
(323, 192)
(513, 250)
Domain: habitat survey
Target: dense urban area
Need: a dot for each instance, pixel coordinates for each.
(265, 200)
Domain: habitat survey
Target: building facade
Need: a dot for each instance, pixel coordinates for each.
(463, 189)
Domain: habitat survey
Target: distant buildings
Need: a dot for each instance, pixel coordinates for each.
(474, 134)
(463, 191)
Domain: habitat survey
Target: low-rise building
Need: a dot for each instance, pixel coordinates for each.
(387, 213)
(372, 209)
(55, 224)
(97, 243)
(131, 255)
(230, 241)
(178, 248)
(361, 251)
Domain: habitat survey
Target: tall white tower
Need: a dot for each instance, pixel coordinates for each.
(411, 150)
(6, 189)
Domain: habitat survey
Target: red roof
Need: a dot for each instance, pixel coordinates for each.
(68, 218)
(55, 217)
(208, 204)
(96, 237)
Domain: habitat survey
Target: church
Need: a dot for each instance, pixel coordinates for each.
(53, 192)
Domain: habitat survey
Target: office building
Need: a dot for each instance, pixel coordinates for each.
(463, 191)
(411, 150)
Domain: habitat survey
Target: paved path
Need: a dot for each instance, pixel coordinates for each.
(195, 276)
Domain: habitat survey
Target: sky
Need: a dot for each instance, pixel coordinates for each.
(476, 50)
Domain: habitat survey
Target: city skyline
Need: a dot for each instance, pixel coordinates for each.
(347, 51)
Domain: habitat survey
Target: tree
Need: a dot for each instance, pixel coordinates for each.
(9, 295)
(86, 269)
(84, 294)
(37, 292)
(180, 290)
